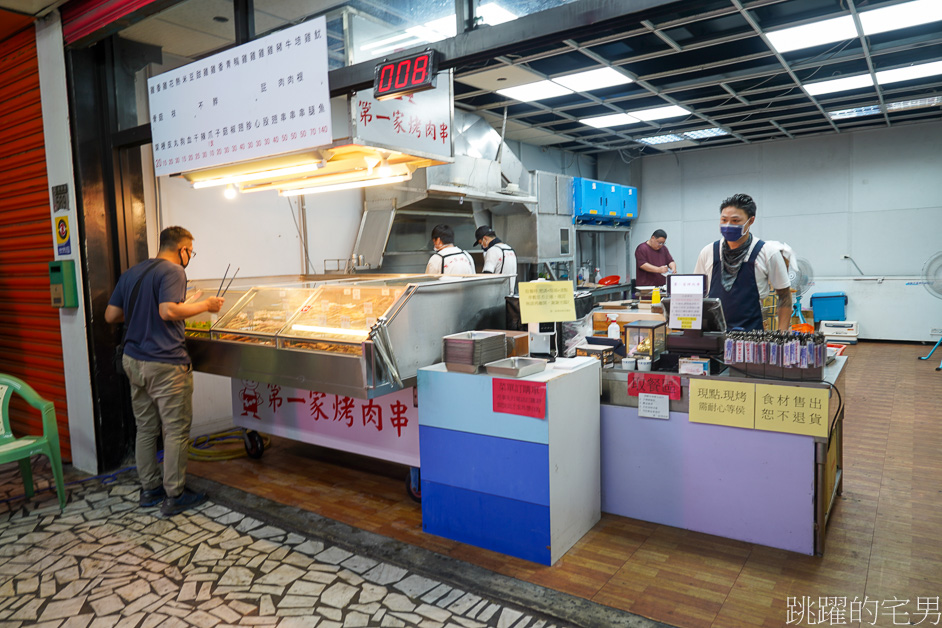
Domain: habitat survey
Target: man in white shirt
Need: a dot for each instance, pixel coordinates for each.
(448, 259)
(499, 257)
(740, 269)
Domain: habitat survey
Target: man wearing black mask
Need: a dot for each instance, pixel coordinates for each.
(740, 269)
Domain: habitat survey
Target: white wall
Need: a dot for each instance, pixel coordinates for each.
(874, 195)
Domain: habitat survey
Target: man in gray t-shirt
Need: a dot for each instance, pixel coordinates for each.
(158, 367)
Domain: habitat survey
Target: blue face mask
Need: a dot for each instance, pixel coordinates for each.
(733, 232)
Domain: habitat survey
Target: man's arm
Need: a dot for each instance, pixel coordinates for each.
(179, 311)
(784, 311)
(114, 314)
(651, 268)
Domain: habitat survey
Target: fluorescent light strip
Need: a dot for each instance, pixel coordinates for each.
(661, 139)
(856, 112)
(900, 16)
(402, 45)
(607, 122)
(814, 34)
(385, 41)
(702, 134)
(909, 73)
(839, 85)
(920, 103)
(345, 186)
(362, 333)
(659, 113)
(534, 91)
(258, 176)
(592, 79)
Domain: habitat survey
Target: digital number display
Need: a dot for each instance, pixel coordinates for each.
(405, 76)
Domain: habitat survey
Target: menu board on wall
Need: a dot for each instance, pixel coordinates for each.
(263, 98)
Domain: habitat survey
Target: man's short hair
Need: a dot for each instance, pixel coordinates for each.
(444, 233)
(740, 201)
(171, 237)
(660, 233)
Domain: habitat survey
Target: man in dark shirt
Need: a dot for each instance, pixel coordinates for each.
(158, 367)
(652, 259)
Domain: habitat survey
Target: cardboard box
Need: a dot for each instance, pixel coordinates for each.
(518, 342)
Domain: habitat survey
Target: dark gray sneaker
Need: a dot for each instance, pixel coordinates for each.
(185, 500)
(152, 497)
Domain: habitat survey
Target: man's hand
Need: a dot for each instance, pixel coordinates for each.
(214, 304)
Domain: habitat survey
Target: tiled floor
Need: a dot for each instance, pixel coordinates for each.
(884, 539)
(106, 563)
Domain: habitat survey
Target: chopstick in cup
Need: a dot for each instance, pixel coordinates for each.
(223, 279)
(230, 281)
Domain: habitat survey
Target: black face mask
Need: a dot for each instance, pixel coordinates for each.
(189, 258)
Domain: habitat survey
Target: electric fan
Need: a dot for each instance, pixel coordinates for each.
(932, 276)
(801, 276)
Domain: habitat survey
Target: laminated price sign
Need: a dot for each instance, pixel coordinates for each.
(792, 409)
(547, 302)
(513, 396)
(722, 403)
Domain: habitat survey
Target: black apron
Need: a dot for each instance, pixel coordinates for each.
(741, 304)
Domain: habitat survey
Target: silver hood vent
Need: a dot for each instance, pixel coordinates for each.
(485, 179)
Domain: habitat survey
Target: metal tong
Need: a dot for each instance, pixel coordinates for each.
(228, 266)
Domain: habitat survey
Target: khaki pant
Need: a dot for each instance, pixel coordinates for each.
(161, 396)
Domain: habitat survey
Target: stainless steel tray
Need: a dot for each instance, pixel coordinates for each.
(516, 367)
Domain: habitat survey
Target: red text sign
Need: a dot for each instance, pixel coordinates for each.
(513, 396)
(654, 384)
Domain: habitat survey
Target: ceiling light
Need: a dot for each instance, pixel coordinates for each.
(900, 16)
(609, 121)
(909, 73)
(592, 79)
(436, 30)
(856, 112)
(815, 34)
(701, 134)
(660, 139)
(379, 43)
(839, 85)
(230, 192)
(350, 185)
(914, 104)
(534, 91)
(259, 176)
(659, 113)
(492, 13)
(384, 170)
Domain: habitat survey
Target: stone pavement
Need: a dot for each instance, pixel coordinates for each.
(239, 560)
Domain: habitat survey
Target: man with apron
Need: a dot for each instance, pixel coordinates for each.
(448, 259)
(740, 269)
(499, 257)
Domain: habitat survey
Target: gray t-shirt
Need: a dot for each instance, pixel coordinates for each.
(149, 337)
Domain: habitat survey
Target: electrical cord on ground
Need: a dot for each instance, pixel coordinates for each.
(220, 446)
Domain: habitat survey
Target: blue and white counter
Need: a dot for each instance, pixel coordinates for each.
(525, 485)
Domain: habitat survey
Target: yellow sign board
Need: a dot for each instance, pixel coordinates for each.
(792, 409)
(722, 403)
(547, 302)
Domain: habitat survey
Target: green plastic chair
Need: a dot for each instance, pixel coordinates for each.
(21, 449)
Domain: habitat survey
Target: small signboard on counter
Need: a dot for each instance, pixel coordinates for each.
(654, 406)
(513, 396)
(547, 302)
(263, 98)
(722, 403)
(792, 409)
(686, 302)
(654, 384)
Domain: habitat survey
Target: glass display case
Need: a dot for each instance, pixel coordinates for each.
(260, 314)
(338, 318)
(646, 338)
(200, 324)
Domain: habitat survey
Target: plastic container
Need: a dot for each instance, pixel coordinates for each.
(829, 306)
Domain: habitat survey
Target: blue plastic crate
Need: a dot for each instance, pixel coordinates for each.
(829, 306)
